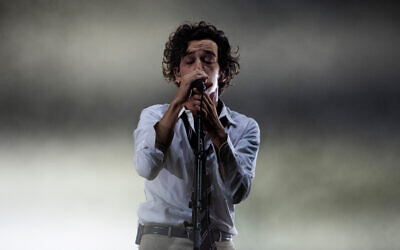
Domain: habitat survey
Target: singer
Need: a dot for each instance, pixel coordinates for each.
(163, 151)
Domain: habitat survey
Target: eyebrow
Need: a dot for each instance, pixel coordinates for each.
(209, 52)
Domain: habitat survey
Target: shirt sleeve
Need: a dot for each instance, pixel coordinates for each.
(239, 162)
(148, 159)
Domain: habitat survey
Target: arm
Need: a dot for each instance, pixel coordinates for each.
(165, 128)
(152, 137)
(147, 158)
(239, 162)
(155, 130)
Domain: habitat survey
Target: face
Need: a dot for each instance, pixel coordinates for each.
(202, 55)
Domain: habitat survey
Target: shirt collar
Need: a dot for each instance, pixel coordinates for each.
(225, 112)
(181, 112)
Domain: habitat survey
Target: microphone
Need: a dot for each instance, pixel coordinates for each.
(198, 84)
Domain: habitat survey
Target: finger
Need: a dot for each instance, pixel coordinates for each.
(208, 101)
(195, 102)
(194, 106)
(207, 98)
(213, 97)
(195, 98)
(207, 107)
(196, 92)
(205, 114)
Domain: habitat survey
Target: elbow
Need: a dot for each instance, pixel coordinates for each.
(240, 195)
(151, 175)
(147, 173)
(146, 169)
(242, 191)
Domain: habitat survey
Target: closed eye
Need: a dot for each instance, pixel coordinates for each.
(189, 61)
(209, 57)
(209, 60)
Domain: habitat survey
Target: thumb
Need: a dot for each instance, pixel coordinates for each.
(213, 97)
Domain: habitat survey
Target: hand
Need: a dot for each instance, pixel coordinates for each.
(212, 124)
(183, 96)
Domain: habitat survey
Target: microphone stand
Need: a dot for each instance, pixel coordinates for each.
(202, 236)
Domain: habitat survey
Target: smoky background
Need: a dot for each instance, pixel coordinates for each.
(320, 77)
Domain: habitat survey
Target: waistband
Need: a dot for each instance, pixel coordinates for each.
(174, 231)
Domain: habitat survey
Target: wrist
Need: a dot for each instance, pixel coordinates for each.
(219, 138)
(177, 103)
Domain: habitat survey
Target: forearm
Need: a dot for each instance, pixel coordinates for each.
(218, 136)
(238, 162)
(165, 127)
(236, 172)
(148, 160)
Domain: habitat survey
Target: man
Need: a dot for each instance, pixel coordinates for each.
(163, 153)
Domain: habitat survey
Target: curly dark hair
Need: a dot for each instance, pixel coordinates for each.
(176, 46)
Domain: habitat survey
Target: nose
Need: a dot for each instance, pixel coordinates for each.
(199, 64)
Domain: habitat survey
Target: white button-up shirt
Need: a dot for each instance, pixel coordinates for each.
(169, 176)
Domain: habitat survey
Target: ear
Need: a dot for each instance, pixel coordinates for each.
(177, 74)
